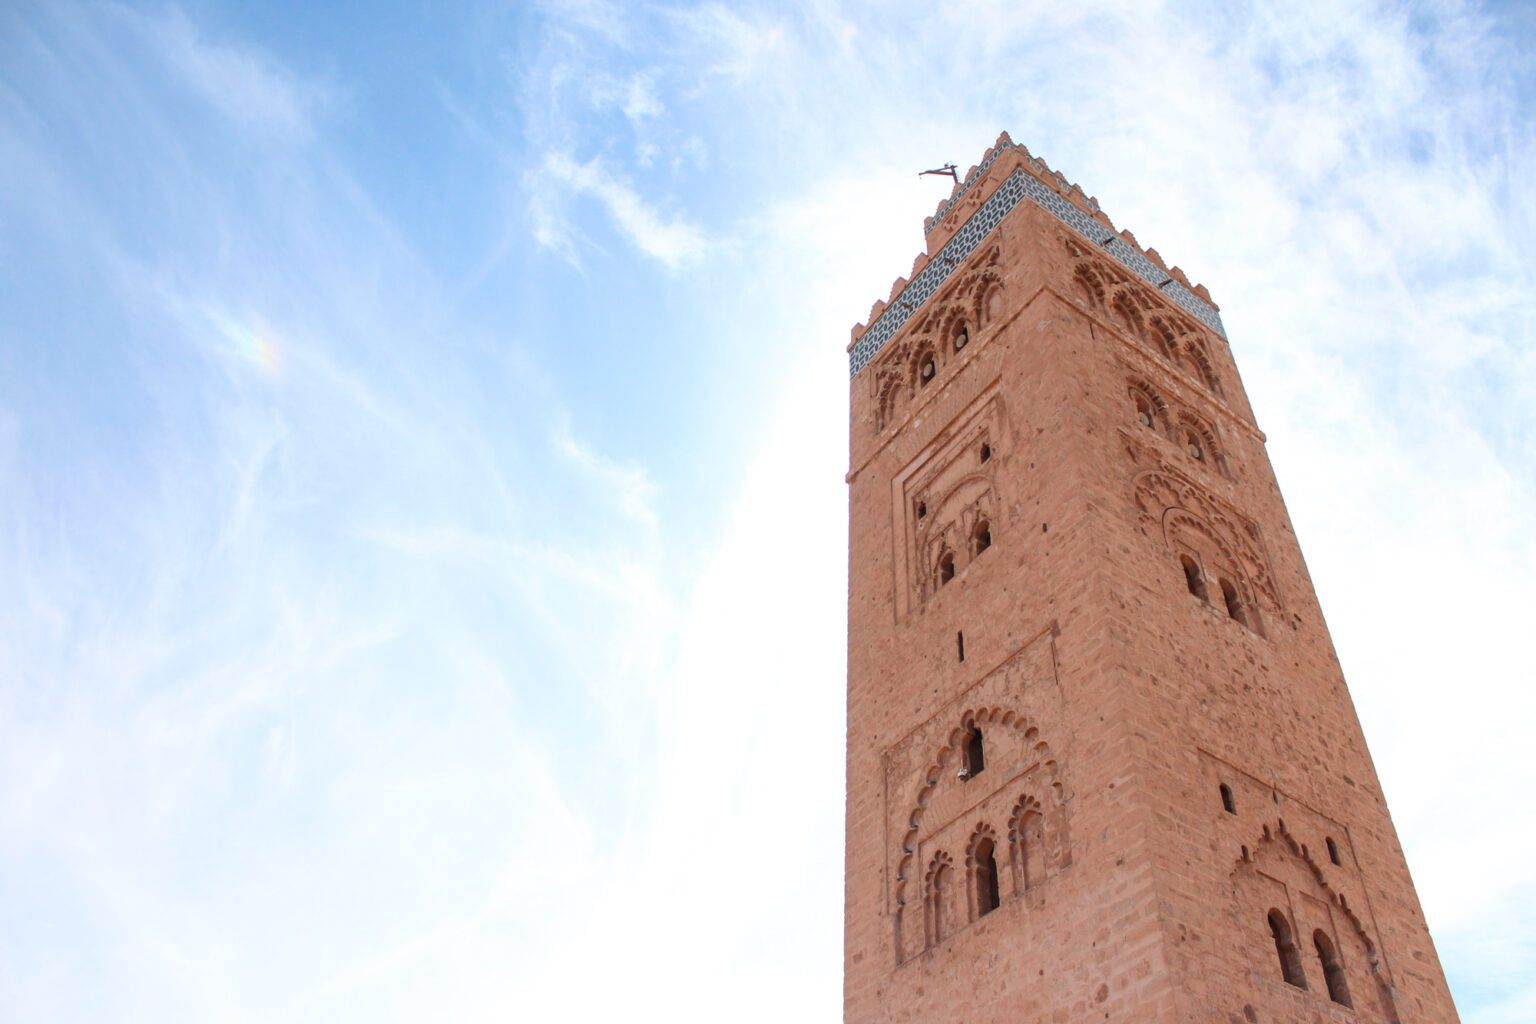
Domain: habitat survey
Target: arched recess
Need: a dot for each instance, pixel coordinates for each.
(1046, 791)
(1196, 360)
(1128, 314)
(1150, 409)
(1360, 973)
(984, 892)
(1194, 432)
(1029, 843)
(950, 527)
(955, 331)
(988, 308)
(1090, 287)
(1167, 502)
(1164, 337)
(1219, 560)
(925, 365)
(891, 401)
(938, 899)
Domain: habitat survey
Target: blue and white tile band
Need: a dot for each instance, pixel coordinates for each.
(1020, 185)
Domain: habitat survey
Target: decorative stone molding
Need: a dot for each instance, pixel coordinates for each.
(1019, 186)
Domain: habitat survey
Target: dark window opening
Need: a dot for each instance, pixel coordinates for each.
(987, 899)
(975, 754)
(982, 536)
(1234, 606)
(1192, 445)
(927, 371)
(1227, 803)
(960, 645)
(1285, 949)
(1192, 577)
(1333, 850)
(961, 337)
(946, 567)
(922, 509)
(1333, 970)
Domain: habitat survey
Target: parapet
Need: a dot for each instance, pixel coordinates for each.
(952, 239)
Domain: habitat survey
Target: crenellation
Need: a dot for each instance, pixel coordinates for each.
(1041, 831)
(1031, 179)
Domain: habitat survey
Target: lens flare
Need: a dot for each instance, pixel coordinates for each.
(249, 340)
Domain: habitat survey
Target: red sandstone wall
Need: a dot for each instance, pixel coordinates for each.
(1110, 694)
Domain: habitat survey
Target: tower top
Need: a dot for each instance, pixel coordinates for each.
(1008, 174)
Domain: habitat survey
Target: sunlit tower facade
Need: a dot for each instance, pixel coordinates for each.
(1102, 762)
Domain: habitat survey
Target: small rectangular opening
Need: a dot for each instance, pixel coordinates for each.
(960, 645)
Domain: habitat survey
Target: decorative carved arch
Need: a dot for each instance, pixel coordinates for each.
(1164, 336)
(938, 897)
(922, 352)
(1214, 455)
(1229, 563)
(892, 392)
(948, 529)
(1128, 312)
(949, 755)
(1198, 361)
(1090, 287)
(1026, 843)
(955, 320)
(1163, 497)
(1140, 391)
(989, 295)
(1276, 835)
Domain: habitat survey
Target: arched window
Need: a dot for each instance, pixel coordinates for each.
(1192, 577)
(1193, 446)
(961, 337)
(926, 370)
(985, 453)
(1285, 949)
(1227, 803)
(938, 897)
(1234, 603)
(1333, 969)
(1146, 412)
(981, 536)
(922, 509)
(1333, 850)
(975, 753)
(946, 567)
(984, 876)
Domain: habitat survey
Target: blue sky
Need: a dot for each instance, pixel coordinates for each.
(422, 434)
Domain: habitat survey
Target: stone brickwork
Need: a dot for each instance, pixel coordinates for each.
(1102, 763)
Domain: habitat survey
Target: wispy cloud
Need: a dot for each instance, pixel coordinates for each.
(671, 241)
(367, 642)
(242, 84)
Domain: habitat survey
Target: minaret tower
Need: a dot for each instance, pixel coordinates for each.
(1102, 763)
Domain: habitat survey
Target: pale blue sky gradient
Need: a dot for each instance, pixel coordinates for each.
(423, 556)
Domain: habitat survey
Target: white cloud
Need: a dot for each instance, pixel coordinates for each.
(627, 727)
(670, 241)
(242, 84)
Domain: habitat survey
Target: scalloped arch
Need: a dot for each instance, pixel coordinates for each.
(1379, 973)
(991, 715)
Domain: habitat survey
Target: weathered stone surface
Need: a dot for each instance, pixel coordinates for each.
(1051, 497)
